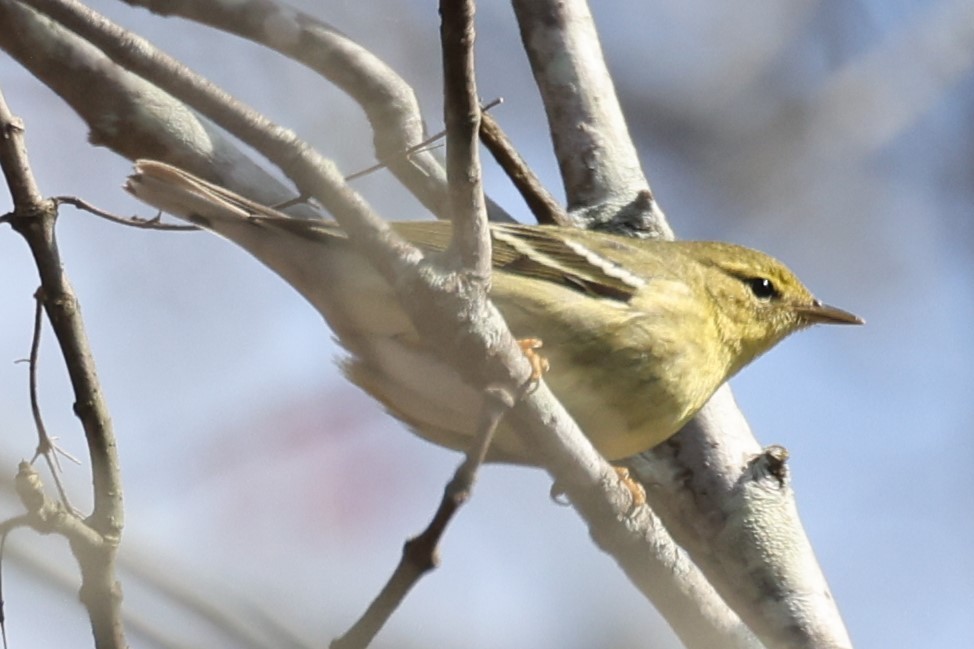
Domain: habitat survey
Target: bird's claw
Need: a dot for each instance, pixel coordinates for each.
(539, 364)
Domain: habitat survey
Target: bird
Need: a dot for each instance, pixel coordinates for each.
(638, 333)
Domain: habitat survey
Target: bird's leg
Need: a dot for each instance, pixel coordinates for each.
(635, 488)
(539, 364)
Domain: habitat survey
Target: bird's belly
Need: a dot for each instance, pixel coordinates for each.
(616, 388)
(620, 380)
(621, 410)
(435, 401)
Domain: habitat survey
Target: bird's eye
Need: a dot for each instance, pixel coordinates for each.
(762, 288)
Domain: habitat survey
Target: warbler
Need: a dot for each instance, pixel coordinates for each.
(638, 333)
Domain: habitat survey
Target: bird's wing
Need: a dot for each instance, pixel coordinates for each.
(582, 261)
(552, 254)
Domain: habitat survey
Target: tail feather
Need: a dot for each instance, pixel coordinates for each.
(387, 358)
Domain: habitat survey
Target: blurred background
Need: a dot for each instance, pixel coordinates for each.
(834, 135)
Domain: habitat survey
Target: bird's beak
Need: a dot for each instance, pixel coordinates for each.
(818, 313)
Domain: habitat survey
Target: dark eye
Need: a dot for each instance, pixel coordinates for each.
(762, 287)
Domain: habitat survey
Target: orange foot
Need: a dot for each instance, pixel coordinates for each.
(539, 364)
(635, 489)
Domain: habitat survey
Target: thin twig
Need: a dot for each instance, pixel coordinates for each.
(540, 201)
(43, 441)
(461, 116)
(155, 223)
(46, 445)
(115, 105)
(36, 224)
(419, 554)
(420, 146)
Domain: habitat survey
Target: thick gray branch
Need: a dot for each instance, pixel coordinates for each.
(603, 180)
(127, 114)
(693, 481)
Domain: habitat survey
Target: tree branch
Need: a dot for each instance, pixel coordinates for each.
(539, 200)
(471, 239)
(388, 101)
(600, 169)
(692, 479)
(130, 116)
(93, 541)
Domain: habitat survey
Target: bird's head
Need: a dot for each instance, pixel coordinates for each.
(757, 300)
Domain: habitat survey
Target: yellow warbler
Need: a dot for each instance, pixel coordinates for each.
(639, 333)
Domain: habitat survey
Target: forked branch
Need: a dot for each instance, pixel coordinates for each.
(94, 541)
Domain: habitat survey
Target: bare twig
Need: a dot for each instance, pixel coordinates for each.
(313, 174)
(540, 201)
(420, 146)
(155, 223)
(46, 446)
(419, 554)
(14, 164)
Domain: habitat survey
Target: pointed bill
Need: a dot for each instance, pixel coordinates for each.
(819, 313)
